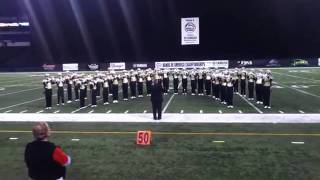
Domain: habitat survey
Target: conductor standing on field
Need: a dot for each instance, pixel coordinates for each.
(156, 99)
(45, 160)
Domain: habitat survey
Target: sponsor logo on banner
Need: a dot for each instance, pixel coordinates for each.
(192, 64)
(140, 65)
(48, 67)
(70, 67)
(273, 63)
(244, 63)
(119, 65)
(93, 67)
(190, 31)
(318, 61)
(299, 62)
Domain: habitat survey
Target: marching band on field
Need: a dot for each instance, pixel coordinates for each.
(220, 84)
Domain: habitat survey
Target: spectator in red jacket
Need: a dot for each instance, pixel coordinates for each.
(45, 160)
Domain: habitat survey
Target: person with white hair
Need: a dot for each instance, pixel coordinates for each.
(44, 159)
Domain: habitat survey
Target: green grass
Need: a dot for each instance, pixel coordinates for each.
(107, 156)
(285, 99)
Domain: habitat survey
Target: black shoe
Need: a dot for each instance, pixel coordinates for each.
(154, 118)
(159, 118)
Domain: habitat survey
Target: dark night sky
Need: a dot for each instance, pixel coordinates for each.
(149, 30)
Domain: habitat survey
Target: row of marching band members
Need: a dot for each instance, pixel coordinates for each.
(219, 84)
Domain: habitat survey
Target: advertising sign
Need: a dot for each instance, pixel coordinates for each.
(93, 67)
(140, 65)
(190, 31)
(119, 65)
(48, 67)
(70, 67)
(192, 64)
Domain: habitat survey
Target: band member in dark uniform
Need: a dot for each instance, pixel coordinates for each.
(165, 82)
(76, 84)
(47, 84)
(213, 86)
(133, 86)
(105, 91)
(93, 83)
(69, 89)
(223, 89)
(236, 81)
(125, 87)
(184, 84)
(208, 84)
(243, 79)
(99, 83)
(193, 84)
(267, 83)
(175, 83)
(82, 93)
(217, 87)
(156, 99)
(200, 84)
(149, 85)
(140, 85)
(60, 94)
(229, 92)
(259, 88)
(251, 79)
(115, 90)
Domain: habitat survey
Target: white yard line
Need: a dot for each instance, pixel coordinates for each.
(168, 103)
(167, 118)
(23, 111)
(8, 111)
(13, 138)
(39, 111)
(108, 112)
(299, 142)
(79, 109)
(252, 105)
(302, 112)
(299, 90)
(75, 139)
(91, 111)
(218, 141)
(16, 92)
(26, 102)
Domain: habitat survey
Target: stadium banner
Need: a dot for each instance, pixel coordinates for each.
(118, 65)
(192, 64)
(190, 31)
(70, 67)
(140, 65)
(93, 67)
(48, 67)
(318, 61)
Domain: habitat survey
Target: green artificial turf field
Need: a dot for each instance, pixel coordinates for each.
(248, 151)
(178, 151)
(295, 90)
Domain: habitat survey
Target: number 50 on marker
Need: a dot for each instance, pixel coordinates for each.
(144, 138)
